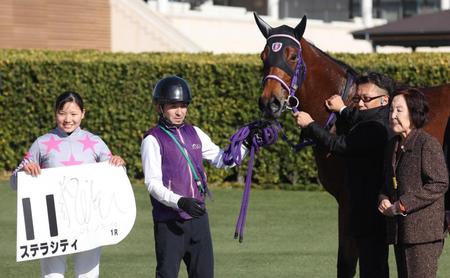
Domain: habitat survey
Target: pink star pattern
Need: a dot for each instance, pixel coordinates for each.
(52, 144)
(71, 161)
(88, 143)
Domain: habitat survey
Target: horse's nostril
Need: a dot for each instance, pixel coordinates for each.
(270, 107)
(275, 105)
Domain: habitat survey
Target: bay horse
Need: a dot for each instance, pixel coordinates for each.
(297, 72)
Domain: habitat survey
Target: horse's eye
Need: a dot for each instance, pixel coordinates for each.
(294, 58)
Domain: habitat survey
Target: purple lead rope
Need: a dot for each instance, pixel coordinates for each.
(232, 155)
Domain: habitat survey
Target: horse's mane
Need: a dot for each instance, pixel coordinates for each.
(346, 67)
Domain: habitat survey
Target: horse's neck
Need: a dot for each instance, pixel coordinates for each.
(324, 78)
(325, 69)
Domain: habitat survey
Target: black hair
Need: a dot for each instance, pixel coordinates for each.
(417, 105)
(68, 96)
(380, 80)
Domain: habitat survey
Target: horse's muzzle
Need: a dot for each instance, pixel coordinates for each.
(271, 108)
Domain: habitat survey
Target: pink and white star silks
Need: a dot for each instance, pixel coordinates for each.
(57, 148)
(88, 143)
(52, 144)
(72, 161)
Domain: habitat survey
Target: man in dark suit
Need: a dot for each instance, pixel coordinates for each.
(364, 132)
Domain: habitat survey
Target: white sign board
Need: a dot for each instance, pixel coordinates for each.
(72, 209)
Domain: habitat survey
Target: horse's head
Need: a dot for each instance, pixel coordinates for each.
(284, 68)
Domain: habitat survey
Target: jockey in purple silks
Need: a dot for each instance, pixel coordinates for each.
(172, 159)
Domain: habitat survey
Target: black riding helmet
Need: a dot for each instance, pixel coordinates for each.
(172, 89)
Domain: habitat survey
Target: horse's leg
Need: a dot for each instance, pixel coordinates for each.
(331, 175)
(348, 250)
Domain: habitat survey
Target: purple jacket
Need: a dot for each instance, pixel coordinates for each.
(177, 176)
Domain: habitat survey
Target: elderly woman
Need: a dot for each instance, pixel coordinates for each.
(413, 195)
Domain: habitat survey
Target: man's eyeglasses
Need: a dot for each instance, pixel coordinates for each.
(365, 99)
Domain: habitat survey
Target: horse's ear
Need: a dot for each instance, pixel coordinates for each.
(300, 28)
(262, 25)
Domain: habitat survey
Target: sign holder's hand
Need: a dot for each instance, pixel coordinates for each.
(32, 168)
(117, 160)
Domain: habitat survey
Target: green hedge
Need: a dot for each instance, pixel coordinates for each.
(117, 92)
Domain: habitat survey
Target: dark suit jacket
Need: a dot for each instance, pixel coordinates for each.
(422, 181)
(364, 135)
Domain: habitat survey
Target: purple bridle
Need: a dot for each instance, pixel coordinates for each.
(300, 71)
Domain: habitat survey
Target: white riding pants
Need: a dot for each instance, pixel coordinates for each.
(86, 265)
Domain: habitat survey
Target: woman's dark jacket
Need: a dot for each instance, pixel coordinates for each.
(422, 181)
(363, 138)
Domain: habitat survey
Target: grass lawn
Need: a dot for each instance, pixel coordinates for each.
(288, 234)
